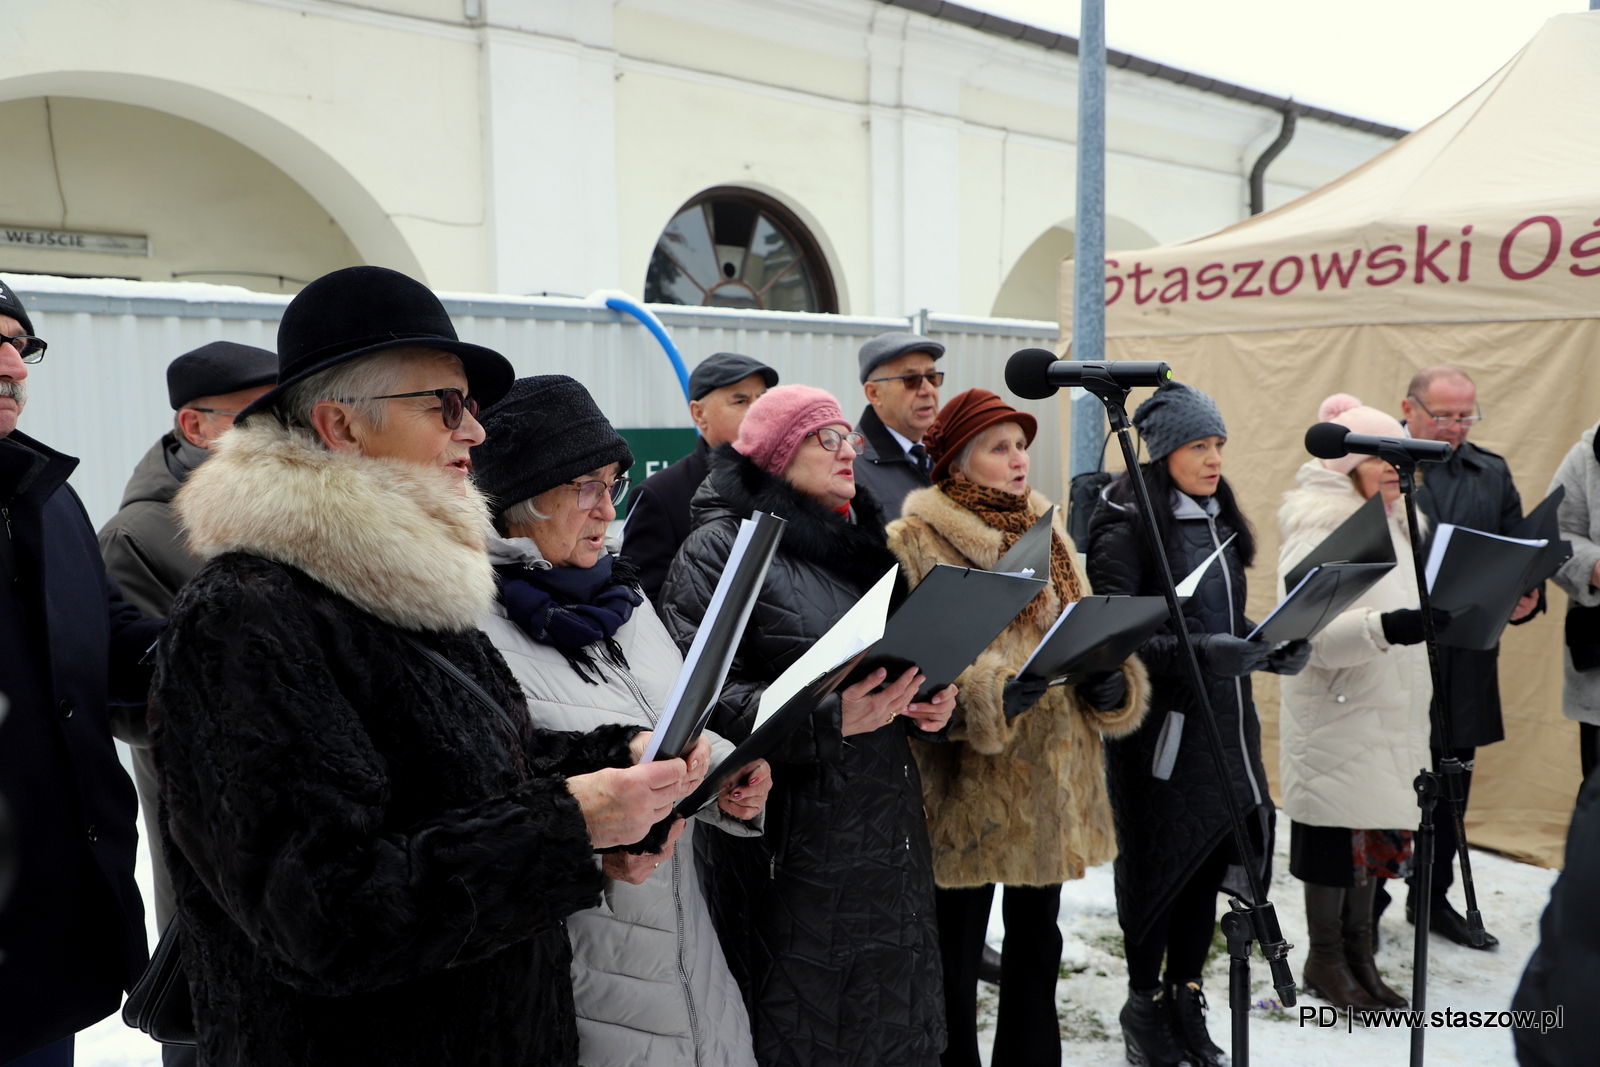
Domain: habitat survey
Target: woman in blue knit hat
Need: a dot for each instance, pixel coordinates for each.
(1175, 849)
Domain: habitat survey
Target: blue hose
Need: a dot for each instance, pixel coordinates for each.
(653, 324)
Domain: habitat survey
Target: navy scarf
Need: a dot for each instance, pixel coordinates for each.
(571, 609)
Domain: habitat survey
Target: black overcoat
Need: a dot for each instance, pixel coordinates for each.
(883, 468)
(72, 933)
(828, 920)
(1166, 829)
(658, 518)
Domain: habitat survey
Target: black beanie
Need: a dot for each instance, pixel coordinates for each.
(546, 431)
(11, 305)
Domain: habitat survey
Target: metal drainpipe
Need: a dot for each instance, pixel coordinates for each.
(1089, 238)
(1258, 173)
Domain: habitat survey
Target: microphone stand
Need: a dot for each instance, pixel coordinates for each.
(1244, 922)
(1431, 784)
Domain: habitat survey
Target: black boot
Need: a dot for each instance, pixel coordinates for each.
(989, 966)
(1147, 1031)
(1189, 1021)
(1447, 922)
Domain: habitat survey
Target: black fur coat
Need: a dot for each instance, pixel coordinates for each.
(827, 920)
(370, 868)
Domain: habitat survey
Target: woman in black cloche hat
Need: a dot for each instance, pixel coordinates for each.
(372, 847)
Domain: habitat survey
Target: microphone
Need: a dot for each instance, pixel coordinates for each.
(1330, 440)
(1036, 373)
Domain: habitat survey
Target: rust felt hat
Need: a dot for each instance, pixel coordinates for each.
(966, 416)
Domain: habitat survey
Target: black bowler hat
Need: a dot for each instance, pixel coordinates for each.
(357, 311)
(218, 369)
(726, 368)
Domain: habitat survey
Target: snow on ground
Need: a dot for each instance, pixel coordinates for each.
(1094, 985)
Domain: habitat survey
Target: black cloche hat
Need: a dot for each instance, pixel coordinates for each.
(357, 311)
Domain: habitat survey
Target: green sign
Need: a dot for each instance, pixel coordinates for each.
(654, 449)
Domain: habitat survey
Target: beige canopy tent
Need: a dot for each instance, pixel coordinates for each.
(1474, 241)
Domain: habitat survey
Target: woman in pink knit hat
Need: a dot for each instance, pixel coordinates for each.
(827, 919)
(1353, 726)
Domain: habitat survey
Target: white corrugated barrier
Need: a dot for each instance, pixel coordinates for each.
(100, 393)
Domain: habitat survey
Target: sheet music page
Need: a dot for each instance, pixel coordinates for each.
(741, 544)
(1065, 611)
(1192, 582)
(1441, 541)
(860, 628)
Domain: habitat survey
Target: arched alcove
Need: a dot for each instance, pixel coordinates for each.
(1032, 287)
(364, 223)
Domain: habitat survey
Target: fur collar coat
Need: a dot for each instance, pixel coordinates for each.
(370, 865)
(1353, 726)
(1020, 802)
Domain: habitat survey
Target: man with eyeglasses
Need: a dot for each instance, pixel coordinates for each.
(144, 547)
(72, 931)
(902, 387)
(1473, 489)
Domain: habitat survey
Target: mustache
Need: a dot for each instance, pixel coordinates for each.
(17, 391)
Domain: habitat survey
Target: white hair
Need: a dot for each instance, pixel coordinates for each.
(17, 391)
(356, 383)
(522, 513)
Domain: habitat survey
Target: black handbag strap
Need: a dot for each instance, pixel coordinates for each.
(473, 688)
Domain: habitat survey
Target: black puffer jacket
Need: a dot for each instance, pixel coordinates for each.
(1472, 489)
(830, 916)
(369, 866)
(1166, 829)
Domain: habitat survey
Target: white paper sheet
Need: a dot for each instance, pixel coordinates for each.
(1187, 587)
(858, 629)
(741, 544)
(1065, 611)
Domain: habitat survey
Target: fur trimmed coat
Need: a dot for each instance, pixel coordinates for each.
(828, 920)
(1353, 726)
(1020, 802)
(370, 866)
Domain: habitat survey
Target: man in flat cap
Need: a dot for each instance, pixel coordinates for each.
(144, 549)
(721, 390)
(72, 929)
(903, 396)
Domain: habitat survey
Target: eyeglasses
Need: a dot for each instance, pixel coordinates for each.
(31, 349)
(591, 492)
(831, 439)
(935, 378)
(452, 402)
(1450, 420)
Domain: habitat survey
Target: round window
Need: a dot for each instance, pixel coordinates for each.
(736, 248)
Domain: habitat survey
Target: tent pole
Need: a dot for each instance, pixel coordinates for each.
(1089, 236)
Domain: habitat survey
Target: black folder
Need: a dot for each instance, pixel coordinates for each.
(1032, 550)
(1098, 634)
(766, 737)
(951, 617)
(1542, 524)
(1362, 538)
(1478, 581)
(722, 632)
(1325, 591)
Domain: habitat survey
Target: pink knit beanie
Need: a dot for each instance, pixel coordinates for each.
(1356, 417)
(777, 422)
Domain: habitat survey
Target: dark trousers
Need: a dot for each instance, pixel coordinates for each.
(1027, 1033)
(179, 1056)
(1445, 844)
(56, 1055)
(1588, 747)
(1182, 934)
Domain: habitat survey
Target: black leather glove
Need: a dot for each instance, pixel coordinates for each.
(1105, 691)
(1290, 659)
(1404, 627)
(1230, 656)
(1020, 694)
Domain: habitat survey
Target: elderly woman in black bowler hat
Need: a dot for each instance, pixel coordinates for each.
(373, 847)
(651, 983)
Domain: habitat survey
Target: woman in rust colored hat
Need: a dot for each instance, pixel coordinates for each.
(1019, 796)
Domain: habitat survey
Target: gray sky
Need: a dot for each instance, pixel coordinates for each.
(1403, 62)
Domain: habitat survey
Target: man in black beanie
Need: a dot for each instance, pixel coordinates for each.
(144, 548)
(721, 390)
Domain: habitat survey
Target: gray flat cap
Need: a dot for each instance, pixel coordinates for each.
(886, 346)
(726, 368)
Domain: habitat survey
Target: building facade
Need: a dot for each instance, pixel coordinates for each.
(853, 156)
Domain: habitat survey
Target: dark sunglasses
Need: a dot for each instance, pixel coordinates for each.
(914, 381)
(31, 349)
(452, 402)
